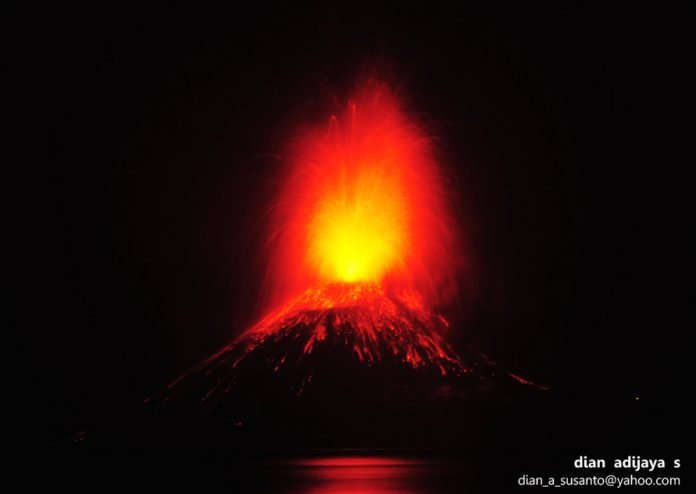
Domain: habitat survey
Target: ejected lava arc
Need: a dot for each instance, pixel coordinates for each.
(364, 201)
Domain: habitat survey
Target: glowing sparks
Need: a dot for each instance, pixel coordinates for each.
(361, 325)
(362, 243)
(373, 325)
(362, 240)
(368, 317)
(363, 201)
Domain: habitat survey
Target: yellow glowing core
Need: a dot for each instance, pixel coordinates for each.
(358, 229)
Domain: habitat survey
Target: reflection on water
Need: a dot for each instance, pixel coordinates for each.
(360, 474)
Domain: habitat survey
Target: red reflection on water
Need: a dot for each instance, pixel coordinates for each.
(366, 475)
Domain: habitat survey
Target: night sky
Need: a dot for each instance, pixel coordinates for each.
(165, 128)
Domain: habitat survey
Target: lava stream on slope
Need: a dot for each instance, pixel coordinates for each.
(334, 333)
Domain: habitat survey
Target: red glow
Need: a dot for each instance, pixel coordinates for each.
(363, 248)
(363, 201)
(371, 321)
(355, 461)
(366, 475)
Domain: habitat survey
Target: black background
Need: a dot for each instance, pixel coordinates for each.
(165, 126)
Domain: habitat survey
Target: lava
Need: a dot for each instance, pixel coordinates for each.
(364, 200)
(371, 320)
(388, 336)
(363, 321)
(364, 229)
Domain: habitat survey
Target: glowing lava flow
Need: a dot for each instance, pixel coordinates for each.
(359, 323)
(368, 320)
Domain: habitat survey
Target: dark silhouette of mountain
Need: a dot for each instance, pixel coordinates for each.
(348, 362)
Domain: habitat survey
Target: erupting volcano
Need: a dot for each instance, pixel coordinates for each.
(363, 229)
(362, 254)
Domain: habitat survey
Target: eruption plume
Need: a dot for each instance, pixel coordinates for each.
(364, 201)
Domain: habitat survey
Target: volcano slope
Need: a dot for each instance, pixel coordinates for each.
(341, 365)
